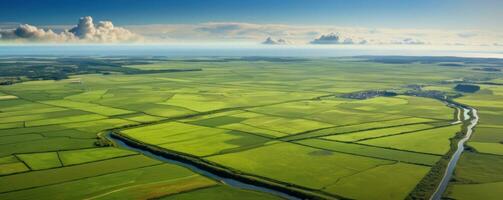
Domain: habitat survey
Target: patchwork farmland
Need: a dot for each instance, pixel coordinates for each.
(297, 126)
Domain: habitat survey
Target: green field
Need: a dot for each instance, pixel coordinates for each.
(311, 124)
(479, 174)
(433, 141)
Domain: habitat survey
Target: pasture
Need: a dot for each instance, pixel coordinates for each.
(291, 122)
(479, 174)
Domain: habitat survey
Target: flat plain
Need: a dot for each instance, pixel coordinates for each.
(312, 124)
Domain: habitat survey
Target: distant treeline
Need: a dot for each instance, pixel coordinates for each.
(14, 70)
(249, 59)
(448, 61)
(368, 94)
(467, 88)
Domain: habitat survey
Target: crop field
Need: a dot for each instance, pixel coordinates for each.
(315, 125)
(433, 141)
(371, 151)
(479, 174)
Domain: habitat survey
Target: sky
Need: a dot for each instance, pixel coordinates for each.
(267, 22)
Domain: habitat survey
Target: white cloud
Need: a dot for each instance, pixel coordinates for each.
(336, 38)
(300, 35)
(32, 33)
(235, 32)
(85, 31)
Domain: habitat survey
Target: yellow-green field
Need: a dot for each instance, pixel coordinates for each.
(289, 123)
(479, 174)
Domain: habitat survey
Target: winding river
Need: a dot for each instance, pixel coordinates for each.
(224, 180)
(234, 182)
(474, 118)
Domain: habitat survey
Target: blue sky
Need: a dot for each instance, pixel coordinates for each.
(369, 13)
(453, 23)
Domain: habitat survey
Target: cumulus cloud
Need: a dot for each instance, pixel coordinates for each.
(271, 41)
(231, 32)
(331, 38)
(85, 31)
(235, 32)
(335, 38)
(32, 33)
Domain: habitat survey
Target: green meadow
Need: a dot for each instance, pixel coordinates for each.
(292, 123)
(479, 174)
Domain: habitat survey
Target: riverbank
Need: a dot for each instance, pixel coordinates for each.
(219, 173)
(473, 120)
(429, 185)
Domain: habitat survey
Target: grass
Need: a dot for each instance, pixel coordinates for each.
(380, 182)
(218, 121)
(376, 152)
(204, 146)
(485, 147)
(94, 126)
(39, 116)
(20, 138)
(89, 155)
(300, 109)
(137, 183)
(8, 159)
(63, 120)
(65, 174)
(489, 191)
(89, 96)
(160, 110)
(50, 144)
(434, 141)
(11, 125)
(7, 97)
(31, 111)
(266, 118)
(288, 159)
(10, 168)
(142, 118)
(89, 107)
(404, 105)
(356, 136)
(38, 161)
(478, 174)
(197, 102)
(365, 125)
(161, 188)
(193, 139)
(487, 134)
(255, 130)
(20, 105)
(161, 133)
(220, 193)
(284, 125)
(479, 168)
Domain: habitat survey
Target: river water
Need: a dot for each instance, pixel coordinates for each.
(241, 185)
(455, 157)
(224, 180)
